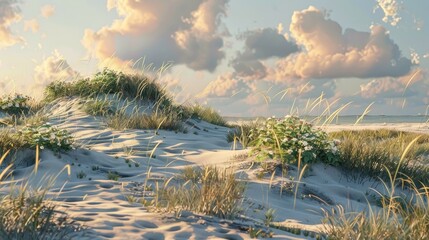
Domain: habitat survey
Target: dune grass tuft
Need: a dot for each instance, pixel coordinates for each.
(400, 218)
(204, 113)
(371, 152)
(131, 86)
(209, 191)
(157, 120)
(27, 214)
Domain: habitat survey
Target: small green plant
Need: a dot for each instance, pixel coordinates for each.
(46, 136)
(290, 138)
(81, 175)
(113, 176)
(255, 232)
(269, 216)
(14, 104)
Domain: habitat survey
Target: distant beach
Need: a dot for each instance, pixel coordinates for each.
(351, 119)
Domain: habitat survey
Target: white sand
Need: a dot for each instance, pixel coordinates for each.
(101, 204)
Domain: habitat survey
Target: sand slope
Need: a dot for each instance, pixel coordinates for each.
(102, 206)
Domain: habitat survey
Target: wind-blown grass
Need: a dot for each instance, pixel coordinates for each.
(130, 86)
(27, 214)
(401, 217)
(156, 120)
(204, 113)
(210, 191)
(371, 152)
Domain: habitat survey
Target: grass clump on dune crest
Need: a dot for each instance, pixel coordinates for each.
(371, 152)
(209, 191)
(157, 120)
(204, 113)
(131, 86)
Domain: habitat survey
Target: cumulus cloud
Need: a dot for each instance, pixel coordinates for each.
(406, 86)
(225, 86)
(54, 67)
(180, 31)
(332, 53)
(390, 9)
(9, 13)
(32, 25)
(260, 45)
(47, 10)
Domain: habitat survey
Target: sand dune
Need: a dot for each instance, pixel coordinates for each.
(101, 205)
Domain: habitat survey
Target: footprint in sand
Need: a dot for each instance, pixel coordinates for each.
(174, 229)
(144, 224)
(153, 236)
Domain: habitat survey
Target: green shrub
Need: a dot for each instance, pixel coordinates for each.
(46, 136)
(286, 139)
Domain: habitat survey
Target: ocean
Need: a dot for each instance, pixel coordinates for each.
(351, 119)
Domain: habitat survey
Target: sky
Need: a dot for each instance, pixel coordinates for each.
(242, 57)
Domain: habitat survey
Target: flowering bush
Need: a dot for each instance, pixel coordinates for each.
(16, 104)
(47, 136)
(283, 140)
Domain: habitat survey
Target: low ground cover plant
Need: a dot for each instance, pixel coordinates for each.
(46, 136)
(290, 139)
(14, 104)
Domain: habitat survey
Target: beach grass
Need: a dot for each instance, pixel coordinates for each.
(370, 152)
(209, 190)
(128, 86)
(28, 214)
(400, 217)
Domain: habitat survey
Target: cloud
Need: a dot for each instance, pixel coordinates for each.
(32, 25)
(47, 10)
(177, 31)
(53, 68)
(330, 53)
(260, 45)
(9, 13)
(403, 87)
(225, 86)
(390, 9)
